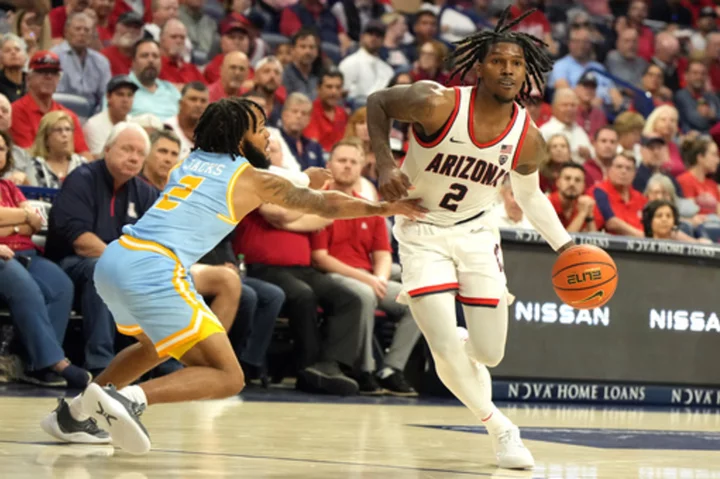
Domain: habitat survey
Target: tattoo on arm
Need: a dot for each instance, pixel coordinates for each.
(329, 204)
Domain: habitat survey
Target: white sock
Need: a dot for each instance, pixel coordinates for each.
(134, 393)
(76, 410)
(497, 422)
(385, 372)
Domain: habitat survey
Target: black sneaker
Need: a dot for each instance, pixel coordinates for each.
(327, 377)
(61, 425)
(368, 385)
(396, 385)
(119, 415)
(45, 377)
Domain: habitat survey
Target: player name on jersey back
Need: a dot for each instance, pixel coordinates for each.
(457, 176)
(204, 167)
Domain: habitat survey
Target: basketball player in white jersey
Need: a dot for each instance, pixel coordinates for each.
(464, 142)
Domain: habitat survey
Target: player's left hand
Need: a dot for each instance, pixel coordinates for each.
(393, 184)
(409, 207)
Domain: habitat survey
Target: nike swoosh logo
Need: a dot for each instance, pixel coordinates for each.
(597, 294)
(453, 140)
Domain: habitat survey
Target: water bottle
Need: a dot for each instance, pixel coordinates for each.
(241, 265)
(7, 332)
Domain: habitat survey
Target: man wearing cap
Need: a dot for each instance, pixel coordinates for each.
(234, 37)
(154, 96)
(365, 72)
(27, 112)
(624, 62)
(201, 28)
(86, 72)
(120, 93)
(172, 47)
(589, 116)
(653, 156)
(128, 30)
(706, 24)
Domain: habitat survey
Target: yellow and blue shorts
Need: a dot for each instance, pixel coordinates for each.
(148, 291)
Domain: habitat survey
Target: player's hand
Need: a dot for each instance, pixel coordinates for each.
(393, 184)
(6, 252)
(319, 177)
(410, 208)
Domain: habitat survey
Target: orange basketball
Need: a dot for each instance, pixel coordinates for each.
(584, 277)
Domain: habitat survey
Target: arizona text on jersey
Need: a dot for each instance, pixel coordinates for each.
(457, 176)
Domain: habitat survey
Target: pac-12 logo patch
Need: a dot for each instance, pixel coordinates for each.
(503, 159)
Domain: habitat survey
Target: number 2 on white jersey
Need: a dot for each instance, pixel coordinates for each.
(179, 193)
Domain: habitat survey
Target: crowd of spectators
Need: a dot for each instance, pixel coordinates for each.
(99, 100)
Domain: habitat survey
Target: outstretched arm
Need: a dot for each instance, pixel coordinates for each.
(329, 204)
(526, 188)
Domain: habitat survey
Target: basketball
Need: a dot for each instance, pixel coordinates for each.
(584, 277)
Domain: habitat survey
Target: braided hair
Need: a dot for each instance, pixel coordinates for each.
(475, 48)
(224, 123)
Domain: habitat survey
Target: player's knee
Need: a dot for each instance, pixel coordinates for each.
(490, 357)
(236, 383)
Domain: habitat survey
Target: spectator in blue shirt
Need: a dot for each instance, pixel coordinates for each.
(154, 96)
(295, 118)
(95, 202)
(86, 72)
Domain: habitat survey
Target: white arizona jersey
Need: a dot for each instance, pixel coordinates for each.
(456, 176)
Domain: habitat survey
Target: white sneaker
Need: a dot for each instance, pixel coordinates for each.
(510, 451)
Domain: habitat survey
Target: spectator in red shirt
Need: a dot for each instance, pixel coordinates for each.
(128, 30)
(357, 254)
(589, 116)
(172, 48)
(701, 156)
(38, 293)
(328, 118)
(558, 154)
(620, 205)
(316, 13)
(540, 111)
(605, 144)
(233, 74)
(636, 15)
(535, 24)
(234, 37)
(27, 112)
(712, 54)
(102, 10)
(576, 210)
(276, 246)
(59, 15)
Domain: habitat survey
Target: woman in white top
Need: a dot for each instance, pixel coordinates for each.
(53, 152)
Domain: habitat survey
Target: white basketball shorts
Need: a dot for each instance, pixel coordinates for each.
(465, 259)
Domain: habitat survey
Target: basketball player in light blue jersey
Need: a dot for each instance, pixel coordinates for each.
(144, 281)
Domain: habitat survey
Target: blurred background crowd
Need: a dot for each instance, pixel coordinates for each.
(629, 113)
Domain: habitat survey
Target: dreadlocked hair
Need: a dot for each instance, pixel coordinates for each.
(474, 48)
(224, 123)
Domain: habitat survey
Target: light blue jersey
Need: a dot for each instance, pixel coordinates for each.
(195, 211)
(143, 276)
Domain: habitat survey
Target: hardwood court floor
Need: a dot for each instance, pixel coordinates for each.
(347, 439)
